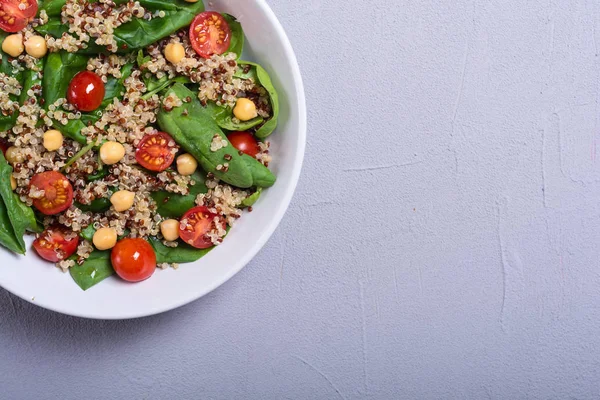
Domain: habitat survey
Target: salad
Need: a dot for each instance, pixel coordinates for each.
(132, 134)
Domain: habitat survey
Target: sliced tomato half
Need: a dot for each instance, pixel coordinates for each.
(156, 151)
(195, 226)
(58, 192)
(210, 34)
(56, 244)
(16, 14)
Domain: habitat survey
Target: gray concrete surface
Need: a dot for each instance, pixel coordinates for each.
(443, 242)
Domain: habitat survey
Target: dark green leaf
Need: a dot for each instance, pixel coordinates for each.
(194, 132)
(252, 199)
(171, 205)
(223, 116)
(183, 253)
(94, 270)
(60, 68)
(114, 88)
(31, 79)
(237, 35)
(265, 81)
(88, 232)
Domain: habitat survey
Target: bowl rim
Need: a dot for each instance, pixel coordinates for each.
(267, 231)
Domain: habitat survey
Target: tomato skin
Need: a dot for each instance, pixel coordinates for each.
(210, 34)
(156, 151)
(244, 142)
(13, 18)
(133, 260)
(53, 246)
(58, 194)
(86, 91)
(194, 226)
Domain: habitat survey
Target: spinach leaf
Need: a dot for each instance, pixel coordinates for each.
(31, 78)
(20, 217)
(184, 253)
(252, 199)
(73, 128)
(155, 85)
(264, 80)
(88, 232)
(60, 68)
(137, 33)
(237, 35)
(101, 173)
(115, 88)
(7, 234)
(99, 205)
(223, 116)
(8, 121)
(171, 205)
(193, 127)
(94, 270)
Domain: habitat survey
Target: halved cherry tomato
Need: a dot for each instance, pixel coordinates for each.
(16, 14)
(194, 226)
(134, 260)
(58, 192)
(86, 91)
(210, 34)
(245, 142)
(56, 243)
(156, 151)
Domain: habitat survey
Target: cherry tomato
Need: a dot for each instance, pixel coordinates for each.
(194, 226)
(86, 91)
(56, 244)
(156, 151)
(16, 14)
(210, 34)
(134, 260)
(58, 192)
(245, 142)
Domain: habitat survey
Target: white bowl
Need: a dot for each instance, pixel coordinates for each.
(44, 285)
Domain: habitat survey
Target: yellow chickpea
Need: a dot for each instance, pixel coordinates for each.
(186, 164)
(105, 238)
(13, 45)
(13, 182)
(170, 229)
(13, 155)
(174, 52)
(53, 140)
(112, 152)
(245, 109)
(36, 46)
(122, 200)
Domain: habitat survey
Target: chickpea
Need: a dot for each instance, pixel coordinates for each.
(36, 46)
(53, 140)
(13, 182)
(186, 164)
(170, 229)
(245, 109)
(105, 238)
(13, 45)
(122, 200)
(13, 155)
(174, 53)
(112, 153)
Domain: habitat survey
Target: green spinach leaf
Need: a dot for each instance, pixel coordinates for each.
(60, 68)
(264, 80)
(94, 270)
(184, 253)
(237, 35)
(252, 199)
(171, 205)
(193, 128)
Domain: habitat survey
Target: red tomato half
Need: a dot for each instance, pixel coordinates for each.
(86, 91)
(244, 142)
(134, 260)
(210, 34)
(58, 192)
(56, 244)
(156, 151)
(16, 14)
(194, 226)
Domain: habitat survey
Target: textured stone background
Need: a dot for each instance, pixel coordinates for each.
(443, 242)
